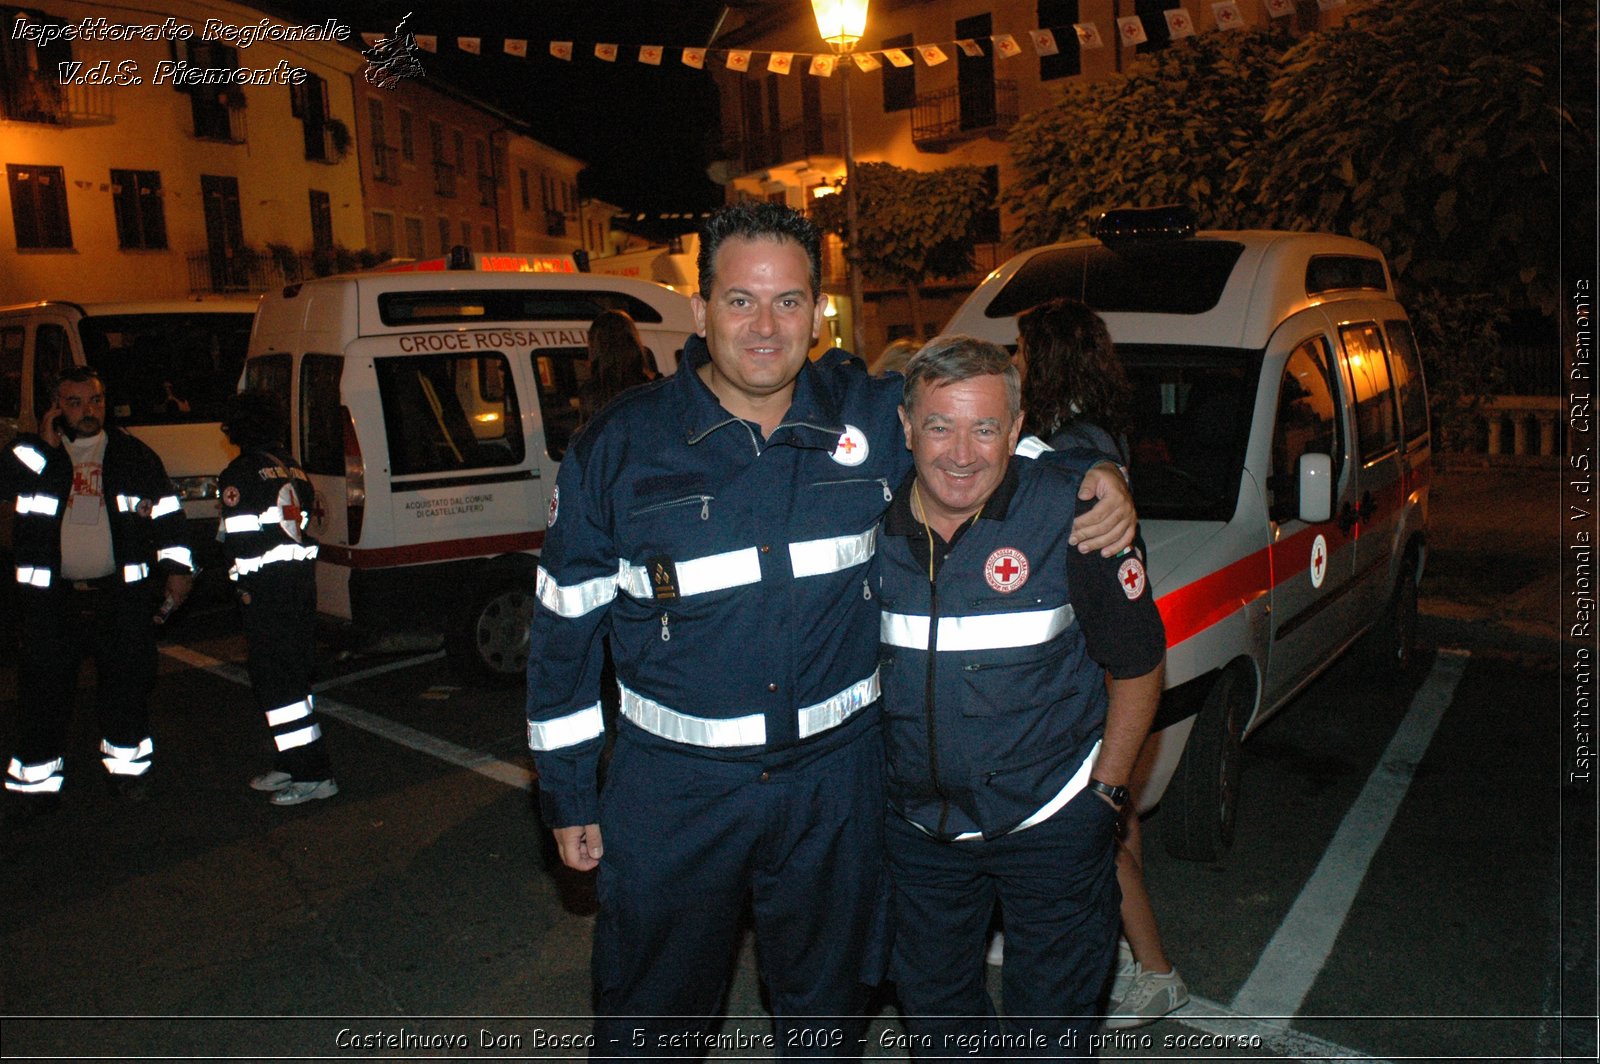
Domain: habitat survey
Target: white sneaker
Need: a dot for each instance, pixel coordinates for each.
(271, 781)
(997, 950)
(1151, 997)
(299, 791)
(1127, 971)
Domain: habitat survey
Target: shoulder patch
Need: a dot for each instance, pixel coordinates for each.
(1131, 575)
(555, 506)
(851, 450)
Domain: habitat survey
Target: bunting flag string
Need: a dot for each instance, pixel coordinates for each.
(1045, 40)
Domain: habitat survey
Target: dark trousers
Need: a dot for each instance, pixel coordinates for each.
(689, 839)
(280, 627)
(60, 625)
(1057, 887)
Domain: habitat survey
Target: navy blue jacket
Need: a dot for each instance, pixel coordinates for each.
(731, 573)
(145, 516)
(994, 672)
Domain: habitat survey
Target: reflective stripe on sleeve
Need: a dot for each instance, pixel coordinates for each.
(132, 574)
(29, 456)
(182, 555)
(576, 600)
(165, 505)
(241, 523)
(127, 760)
(128, 504)
(1031, 447)
(31, 776)
(698, 576)
(570, 730)
(981, 632)
(815, 557)
(38, 504)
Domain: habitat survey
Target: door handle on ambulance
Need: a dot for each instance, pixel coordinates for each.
(1361, 511)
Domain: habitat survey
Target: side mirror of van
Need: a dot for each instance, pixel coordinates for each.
(1316, 488)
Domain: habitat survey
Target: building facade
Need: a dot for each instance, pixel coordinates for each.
(782, 133)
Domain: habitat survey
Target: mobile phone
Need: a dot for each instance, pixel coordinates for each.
(62, 428)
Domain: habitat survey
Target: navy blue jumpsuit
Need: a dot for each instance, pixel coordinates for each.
(731, 575)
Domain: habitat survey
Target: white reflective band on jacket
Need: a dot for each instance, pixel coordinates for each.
(1079, 780)
(30, 457)
(241, 523)
(570, 730)
(132, 574)
(749, 730)
(33, 575)
(38, 504)
(1031, 447)
(283, 552)
(127, 760)
(576, 600)
(181, 555)
(978, 631)
(42, 778)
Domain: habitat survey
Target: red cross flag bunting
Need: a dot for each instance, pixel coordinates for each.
(851, 450)
(1132, 29)
(1130, 574)
(1006, 570)
(1178, 23)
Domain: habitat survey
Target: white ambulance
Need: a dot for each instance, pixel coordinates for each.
(431, 408)
(1280, 464)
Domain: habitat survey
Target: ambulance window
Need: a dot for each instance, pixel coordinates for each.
(321, 423)
(1377, 433)
(50, 357)
(11, 371)
(1307, 423)
(268, 373)
(1407, 369)
(561, 373)
(167, 369)
(437, 419)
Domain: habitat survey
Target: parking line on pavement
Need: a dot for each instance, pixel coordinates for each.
(483, 764)
(376, 670)
(1292, 960)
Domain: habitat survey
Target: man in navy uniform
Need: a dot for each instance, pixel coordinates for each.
(1008, 758)
(98, 530)
(717, 526)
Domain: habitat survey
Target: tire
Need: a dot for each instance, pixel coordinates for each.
(1391, 645)
(1202, 800)
(488, 640)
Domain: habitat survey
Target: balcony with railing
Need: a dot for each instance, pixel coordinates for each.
(247, 269)
(791, 143)
(948, 117)
(37, 99)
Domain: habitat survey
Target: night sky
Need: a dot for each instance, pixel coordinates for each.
(646, 131)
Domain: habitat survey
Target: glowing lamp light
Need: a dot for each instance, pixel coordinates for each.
(840, 22)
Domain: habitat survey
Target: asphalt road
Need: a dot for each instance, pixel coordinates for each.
(1405, 882)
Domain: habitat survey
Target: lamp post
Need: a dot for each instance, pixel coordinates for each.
(842, 23)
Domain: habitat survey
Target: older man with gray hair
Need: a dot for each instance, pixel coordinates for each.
(1020, 677)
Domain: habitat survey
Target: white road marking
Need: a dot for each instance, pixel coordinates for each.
(1210, 1017)
(483, 764)
(1289, 965)
(376, 670)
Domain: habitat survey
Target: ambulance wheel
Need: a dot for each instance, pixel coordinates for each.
(1202, 800)
(488, 640)
(1391, 645)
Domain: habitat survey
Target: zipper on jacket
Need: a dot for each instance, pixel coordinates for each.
(888, 495)
(929, 706)
(703, 500)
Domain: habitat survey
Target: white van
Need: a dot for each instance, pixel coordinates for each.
(167, 367)
(431, 409)
(1280, 464)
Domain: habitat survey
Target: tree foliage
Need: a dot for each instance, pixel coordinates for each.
(1171, 130)
(1435, 131)
(915, 226)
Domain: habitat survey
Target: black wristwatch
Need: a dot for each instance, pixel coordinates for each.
(1119, 795)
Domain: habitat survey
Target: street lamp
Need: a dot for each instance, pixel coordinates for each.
(842, 23)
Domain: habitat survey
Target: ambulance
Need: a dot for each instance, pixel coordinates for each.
(1281, 459)
(431, 407)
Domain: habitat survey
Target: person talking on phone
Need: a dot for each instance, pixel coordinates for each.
(98, 540)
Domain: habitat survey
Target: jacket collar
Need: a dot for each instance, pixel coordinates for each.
(900, 521)
(812, 420)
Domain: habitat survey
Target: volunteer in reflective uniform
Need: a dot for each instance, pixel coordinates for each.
(98, 531)
(717, 526)
(266, 503)
(1008, 761)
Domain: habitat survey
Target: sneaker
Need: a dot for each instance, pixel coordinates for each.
(271, 781)
(1151, 997)
(297, 791)
(997, 950)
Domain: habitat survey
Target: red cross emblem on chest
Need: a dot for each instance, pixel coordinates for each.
(1006, 570)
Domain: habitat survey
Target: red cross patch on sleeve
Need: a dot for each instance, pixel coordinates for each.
(1130, 574)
